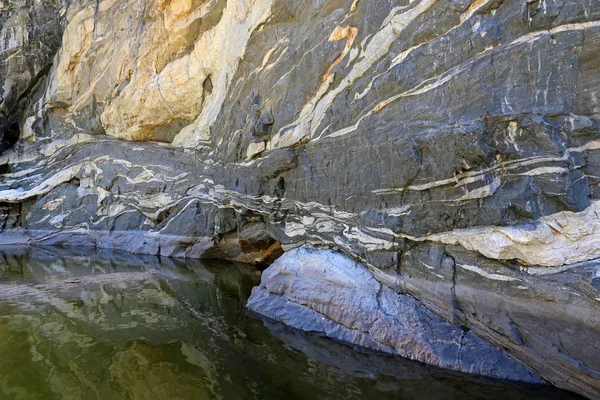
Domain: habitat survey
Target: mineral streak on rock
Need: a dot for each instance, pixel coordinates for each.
(449, 147)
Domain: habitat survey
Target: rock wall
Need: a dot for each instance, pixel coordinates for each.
(30, 35)
(450, 147)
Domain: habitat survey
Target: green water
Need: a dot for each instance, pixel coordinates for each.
(114, 326)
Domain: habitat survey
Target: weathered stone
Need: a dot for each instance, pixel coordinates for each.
(255, 148)
(249, 244)
(29, 37)
(450, 146)
(325, 292)
(510, 306)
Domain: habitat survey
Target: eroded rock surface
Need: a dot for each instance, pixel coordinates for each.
(30, 33)
(328, 293)
(449, 146)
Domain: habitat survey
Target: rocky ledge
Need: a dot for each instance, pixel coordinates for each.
(451, 148)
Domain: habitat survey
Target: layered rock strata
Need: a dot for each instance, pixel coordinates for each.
(451, 147)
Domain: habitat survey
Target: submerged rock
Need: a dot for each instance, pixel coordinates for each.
(326, 292)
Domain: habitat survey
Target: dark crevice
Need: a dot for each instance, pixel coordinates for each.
(458, 312)
(164, 214)
(10, 136)
(34, 83)
(10, 130)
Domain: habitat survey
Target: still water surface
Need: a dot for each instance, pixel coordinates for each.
(98, 325)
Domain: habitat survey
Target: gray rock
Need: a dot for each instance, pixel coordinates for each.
(30, 35)
(449, 146)
(326, 292)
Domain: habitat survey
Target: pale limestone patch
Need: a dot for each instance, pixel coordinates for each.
(555, 240)
(254, 149)
(488, 275)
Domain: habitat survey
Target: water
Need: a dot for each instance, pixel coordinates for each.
(99, 325)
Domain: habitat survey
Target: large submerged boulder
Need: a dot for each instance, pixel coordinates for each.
(328, 293)
(450, 147)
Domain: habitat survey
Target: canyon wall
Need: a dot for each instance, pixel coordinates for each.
(447, 149)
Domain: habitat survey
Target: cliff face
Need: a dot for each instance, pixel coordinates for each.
(30, 35)
(449, 147)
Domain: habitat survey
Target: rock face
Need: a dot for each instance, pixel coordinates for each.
(451, 147)
(30, 36)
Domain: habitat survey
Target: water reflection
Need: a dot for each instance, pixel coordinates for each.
(101, 325)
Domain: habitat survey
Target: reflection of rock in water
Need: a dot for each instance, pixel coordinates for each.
(397, 375)
(144, 372)
(118, 326)
(77, 315)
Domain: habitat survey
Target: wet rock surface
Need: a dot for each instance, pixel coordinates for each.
(450, 147)
(325, 292)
